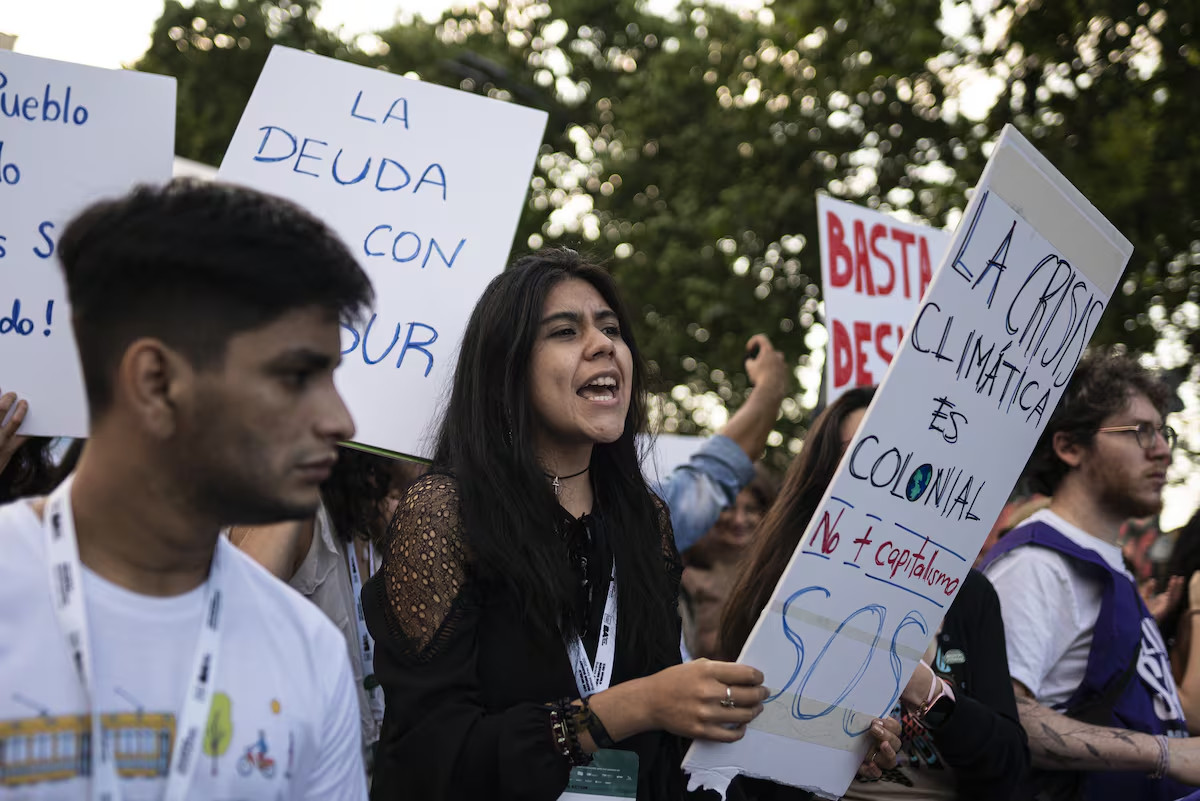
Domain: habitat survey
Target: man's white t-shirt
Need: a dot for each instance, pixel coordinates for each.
(283, 722)
(1050, 607)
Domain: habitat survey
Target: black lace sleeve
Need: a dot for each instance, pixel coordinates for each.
(670, 553)
(441, 738)
(421, 583)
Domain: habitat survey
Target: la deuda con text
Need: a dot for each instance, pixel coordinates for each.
(389, 176)
(386, 174)
(874, 260)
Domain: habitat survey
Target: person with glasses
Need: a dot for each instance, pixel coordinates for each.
(1087, 661)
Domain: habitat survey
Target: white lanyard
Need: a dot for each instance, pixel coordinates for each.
(593, 678)
(366, 643)
(66, 589)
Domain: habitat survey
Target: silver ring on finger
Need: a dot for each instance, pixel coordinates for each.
(728, 701)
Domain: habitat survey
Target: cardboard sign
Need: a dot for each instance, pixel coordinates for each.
(990, 351)
(69, 135)
(425, 184)
(874, 270)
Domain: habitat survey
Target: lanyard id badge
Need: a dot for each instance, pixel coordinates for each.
(613, 774)
(366, 643)
(66, 589)
(590, 677)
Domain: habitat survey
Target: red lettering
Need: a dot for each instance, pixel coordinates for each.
(926, 267)
(881, 332)
(843, 359)
(905, 239)
(862, 336)
(879, 231)
(862, 542)
(884, 546)
(828, 531)
(862, 261)
(839, 252)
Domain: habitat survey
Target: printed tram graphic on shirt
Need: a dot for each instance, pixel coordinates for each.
(58, 747)
(52, 748)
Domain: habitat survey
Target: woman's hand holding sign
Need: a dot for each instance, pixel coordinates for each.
(9, 439)
(702, 699)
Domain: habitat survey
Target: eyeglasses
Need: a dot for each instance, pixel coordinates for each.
(1146, 434)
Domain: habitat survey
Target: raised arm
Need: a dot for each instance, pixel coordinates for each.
(710, 480)
(751, 424)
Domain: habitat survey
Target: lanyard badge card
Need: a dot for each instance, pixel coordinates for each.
(66, 588)
(613, 774)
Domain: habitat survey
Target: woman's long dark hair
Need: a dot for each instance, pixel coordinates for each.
(507, 506)
(781, 529)
(355, 494)
(32, 470)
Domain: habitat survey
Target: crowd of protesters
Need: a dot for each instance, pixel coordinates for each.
(527, 604)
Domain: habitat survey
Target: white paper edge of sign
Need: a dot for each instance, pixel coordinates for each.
(150, 83)
(1013, 164)
(423, 452)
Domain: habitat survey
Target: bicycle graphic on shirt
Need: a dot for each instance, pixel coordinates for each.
(256, 758)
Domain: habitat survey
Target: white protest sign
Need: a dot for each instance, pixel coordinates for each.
(874, 270)
(662, 453)
(973, 384)
(424, 184)
(69, 135)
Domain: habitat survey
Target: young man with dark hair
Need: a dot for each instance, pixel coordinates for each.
(1091, 673)
(141, 655)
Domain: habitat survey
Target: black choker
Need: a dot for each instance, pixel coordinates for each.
(557, 482)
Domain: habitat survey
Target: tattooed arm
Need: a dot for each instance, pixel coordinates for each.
(1057, 742)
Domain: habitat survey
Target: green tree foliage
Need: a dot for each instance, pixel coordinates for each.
(216, 51)
(1107, 91)
(687, 149)
(218, 733)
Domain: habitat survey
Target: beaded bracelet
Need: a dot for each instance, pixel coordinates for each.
(565, 734)
(587, 720)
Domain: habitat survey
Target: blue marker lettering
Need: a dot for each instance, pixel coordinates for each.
(426, 179)
(416, 250)
(379, 177)
(303, 155)
(367, 241)
(362, 174)
(43, 229)
(434, 245)
(269, 130)
(354, 109)
(354, 331)
(403, 116)
(367, 333)
(420, 346)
